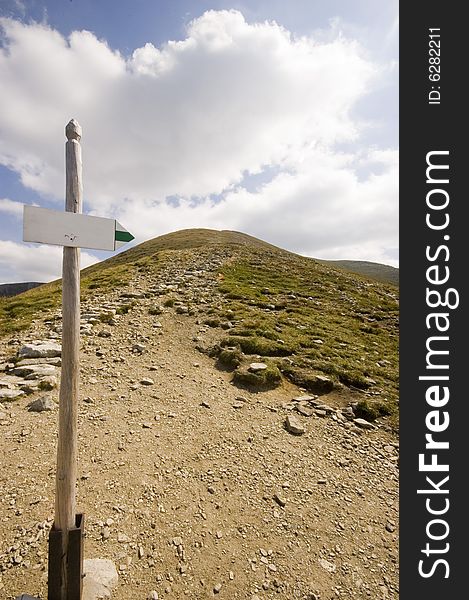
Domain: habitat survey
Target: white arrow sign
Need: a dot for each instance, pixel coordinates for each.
(74, 230)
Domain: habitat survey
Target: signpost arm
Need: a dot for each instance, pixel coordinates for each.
(65, 498)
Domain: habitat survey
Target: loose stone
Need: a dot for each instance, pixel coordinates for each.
(294, 426)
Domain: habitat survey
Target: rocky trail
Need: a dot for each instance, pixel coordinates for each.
(193, 487)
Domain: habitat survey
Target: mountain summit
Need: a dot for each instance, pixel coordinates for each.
(308, 316)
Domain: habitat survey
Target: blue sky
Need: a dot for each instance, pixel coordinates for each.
(279, 119)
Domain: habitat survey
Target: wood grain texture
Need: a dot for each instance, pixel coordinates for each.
(65, 497)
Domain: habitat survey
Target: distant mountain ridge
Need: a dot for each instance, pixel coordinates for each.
(377, 271)
(13, 289)
(194, 238)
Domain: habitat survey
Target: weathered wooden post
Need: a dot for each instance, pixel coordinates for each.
(69, 384)
(73, 231)
(66, 572)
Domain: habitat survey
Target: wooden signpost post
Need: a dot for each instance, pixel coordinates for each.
(73, 231)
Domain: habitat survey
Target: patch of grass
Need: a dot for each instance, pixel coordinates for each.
(104, 279)
(125, 308)
(331, 321)
(230, 358)
(46, 386)
(18, 312)
(106, 317)
(145, 264)
(213, 322)
(371, 410)
(267, 379)
(308, 379)
(353, 378)
(257, 345)
(242, 332)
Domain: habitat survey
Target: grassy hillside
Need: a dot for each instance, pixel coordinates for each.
(304, 316)
(313, 318)
(18, 312)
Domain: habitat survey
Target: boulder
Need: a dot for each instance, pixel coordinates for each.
(100, 578)
(41, 404)
(34, 371)
(293, 425)
(6, 394)
(42, 349)
(363, 424)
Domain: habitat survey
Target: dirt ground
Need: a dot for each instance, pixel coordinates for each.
(193, 492)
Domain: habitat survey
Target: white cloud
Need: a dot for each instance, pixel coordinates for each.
(187, 119)
(11, 207)
(190, 119)
(322, 209)
(21, 262)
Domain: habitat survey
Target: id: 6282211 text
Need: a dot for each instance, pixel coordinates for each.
(434, 65)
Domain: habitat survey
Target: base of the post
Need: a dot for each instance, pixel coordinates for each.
(74, 563)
